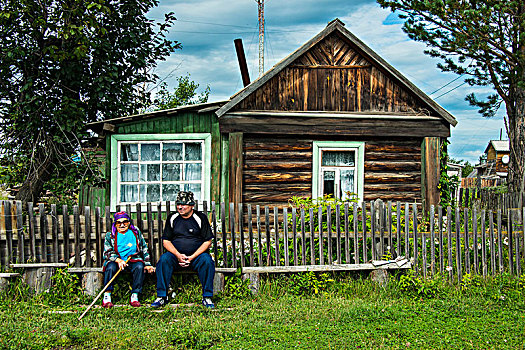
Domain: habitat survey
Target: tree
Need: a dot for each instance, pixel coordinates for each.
(185, 93)
(64, 63)
(483, 40)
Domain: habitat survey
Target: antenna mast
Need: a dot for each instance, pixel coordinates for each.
(260, 6)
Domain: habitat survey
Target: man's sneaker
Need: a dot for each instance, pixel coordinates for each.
(208, 303)
(160, 302)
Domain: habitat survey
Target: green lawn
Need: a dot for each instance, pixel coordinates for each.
(350, 314)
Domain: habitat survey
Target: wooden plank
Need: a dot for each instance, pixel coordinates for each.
(347, 234)
(159, 251)
(285, 237)
(267, 231)
(407, 231)
(259, 235)
(389, 229)
(338, 232)
(224, 234)
(475, 239)
(450, 266)
(500, 242)
(32, 234)
(510, 240)
(66, 231)
(235, 167)
(151, 232)
(312, 232)
(458, 247)
(355, 229)
(491, 246)
(37, 265)
(398, 229)
(277, 239)
(320, 230)
(518, 243)
(250, 233)
(363, 226)
(214, 227)
(232, 233)
(483, 244)
(432, 241)
(87, 234)
(9, 231)
(329, 232)
(373, 229)
(415, 233)
(303, 240)
(466, 239)
(99, 243)
(294, 235)
(20, 232)
(241, 234)
(325, 268)
(54, 232)
(43, 232)
(440, 227)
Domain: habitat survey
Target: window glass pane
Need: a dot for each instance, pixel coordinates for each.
(129, 193)
(171, 172)
(192, 172)
(329, 182)
(129, 172)
(149, 193)
(171, 151)
(169, 192)
(150, 151)
(338, 158)
(347, 183)
(129, 152)
(195, 188)
(193, 151)
(150, 172)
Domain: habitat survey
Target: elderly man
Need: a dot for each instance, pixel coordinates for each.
(187, 238)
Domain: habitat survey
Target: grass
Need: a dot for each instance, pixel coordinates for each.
(346, 313)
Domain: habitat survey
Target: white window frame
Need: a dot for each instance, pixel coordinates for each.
(317, 168)
(117, 140)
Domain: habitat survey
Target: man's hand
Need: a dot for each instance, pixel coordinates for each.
(149, 269)
(184, 260)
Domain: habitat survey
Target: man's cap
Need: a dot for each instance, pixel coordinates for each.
(185, 198)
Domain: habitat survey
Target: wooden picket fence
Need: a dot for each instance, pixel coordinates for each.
(448, 241)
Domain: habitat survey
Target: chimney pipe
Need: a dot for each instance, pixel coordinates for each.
(242, 62)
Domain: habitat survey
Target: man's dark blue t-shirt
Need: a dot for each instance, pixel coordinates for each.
(187, 235)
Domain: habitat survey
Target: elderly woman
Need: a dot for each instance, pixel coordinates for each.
(123, 242)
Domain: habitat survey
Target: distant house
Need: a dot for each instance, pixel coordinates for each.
(331, 118)
(497, 160)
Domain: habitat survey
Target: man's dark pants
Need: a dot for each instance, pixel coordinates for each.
(203, 264)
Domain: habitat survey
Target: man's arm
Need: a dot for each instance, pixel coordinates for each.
(203, 248)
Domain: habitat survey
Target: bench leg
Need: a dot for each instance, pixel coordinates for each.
(254, 281)
(39, 279)
(379, 276)
(218, 283)
(92, 283)
(4, 282)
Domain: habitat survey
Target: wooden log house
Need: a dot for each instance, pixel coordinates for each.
(331, 118)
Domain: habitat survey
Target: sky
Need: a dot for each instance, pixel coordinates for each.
(207, 28)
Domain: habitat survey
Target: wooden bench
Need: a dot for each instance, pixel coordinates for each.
(4, 279)
(38, 275)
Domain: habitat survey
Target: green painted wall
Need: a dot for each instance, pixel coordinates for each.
(187, 122)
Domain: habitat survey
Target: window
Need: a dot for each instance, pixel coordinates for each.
(153, 168)
(338, 169)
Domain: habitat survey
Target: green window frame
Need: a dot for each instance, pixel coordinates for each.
(160, 183)
(358, 167)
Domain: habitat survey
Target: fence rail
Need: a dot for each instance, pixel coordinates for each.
(450, 241)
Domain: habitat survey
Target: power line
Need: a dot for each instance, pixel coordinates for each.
(447, 84)
(443, 94)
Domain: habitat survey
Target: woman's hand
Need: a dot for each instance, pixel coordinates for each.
(121, 263)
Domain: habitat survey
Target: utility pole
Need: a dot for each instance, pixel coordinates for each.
(260, 6)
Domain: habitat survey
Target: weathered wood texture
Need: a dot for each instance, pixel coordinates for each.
(275, 169)
(486, 244)
(333, 76)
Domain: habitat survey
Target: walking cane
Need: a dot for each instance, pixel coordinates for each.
(102, 291)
